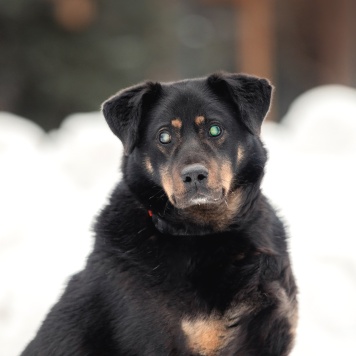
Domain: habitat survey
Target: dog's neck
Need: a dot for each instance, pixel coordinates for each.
(178, 229)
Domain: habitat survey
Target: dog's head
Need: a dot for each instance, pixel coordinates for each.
(197, 139)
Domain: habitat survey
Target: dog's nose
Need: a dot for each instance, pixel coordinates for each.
(194, 173)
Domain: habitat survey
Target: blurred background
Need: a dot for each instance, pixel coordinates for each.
(59, 58)
(64, 56)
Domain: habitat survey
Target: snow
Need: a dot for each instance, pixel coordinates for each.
(311, 177)
(52, 186)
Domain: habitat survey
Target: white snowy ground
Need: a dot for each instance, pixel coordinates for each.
(51, 187)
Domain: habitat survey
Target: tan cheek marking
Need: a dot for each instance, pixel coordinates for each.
(148, 165)
(205, 336)
(179, 187)
(240, 154)
(226, 175)
(199, 120)
(177, 123)
(213, 178)
(233, 203)
(167, 183)
(172, 183)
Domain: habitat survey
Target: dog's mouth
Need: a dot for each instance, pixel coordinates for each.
(198, 198)
(197, 185)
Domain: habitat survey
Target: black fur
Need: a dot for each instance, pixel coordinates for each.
(182, 268)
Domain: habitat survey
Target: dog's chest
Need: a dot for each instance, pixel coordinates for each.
(206, 336)
(210, 335)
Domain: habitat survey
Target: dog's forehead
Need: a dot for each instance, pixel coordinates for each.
(186, 100)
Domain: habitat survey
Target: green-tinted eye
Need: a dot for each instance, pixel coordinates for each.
(165, 137)
(214, 131)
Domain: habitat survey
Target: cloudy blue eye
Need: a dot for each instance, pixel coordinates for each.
(214, 130)
(165, 137)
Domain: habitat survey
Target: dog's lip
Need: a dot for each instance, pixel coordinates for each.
(199, 199)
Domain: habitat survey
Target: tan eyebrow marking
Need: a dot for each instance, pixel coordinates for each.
(199, 120)
(177, 123)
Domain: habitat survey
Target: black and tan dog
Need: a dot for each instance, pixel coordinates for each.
(189, 257)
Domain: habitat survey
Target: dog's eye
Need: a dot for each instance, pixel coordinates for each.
(214, 130)
(165, 137)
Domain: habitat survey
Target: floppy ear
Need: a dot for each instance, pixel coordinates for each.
(124, 110)
(250, 95)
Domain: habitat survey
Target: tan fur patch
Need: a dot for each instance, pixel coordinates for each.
(148, 165)
(209, 335)
(233, 204)
(206, 336)
(240, 154)
(288, 307)
(177, 123)
(226, 175)
(199, 120)
(213, 178)
(167, 182)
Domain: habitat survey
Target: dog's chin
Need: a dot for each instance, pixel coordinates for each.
(199, 200)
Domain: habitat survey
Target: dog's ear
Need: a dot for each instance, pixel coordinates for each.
(123, 112)
(251, 96)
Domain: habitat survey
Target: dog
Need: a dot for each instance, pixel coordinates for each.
(189, 256)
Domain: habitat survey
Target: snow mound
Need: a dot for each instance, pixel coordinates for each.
(52, 186)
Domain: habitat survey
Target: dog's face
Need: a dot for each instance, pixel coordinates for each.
(197, 139)
(190, 145)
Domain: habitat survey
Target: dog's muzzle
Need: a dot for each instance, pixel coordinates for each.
(197, 192)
